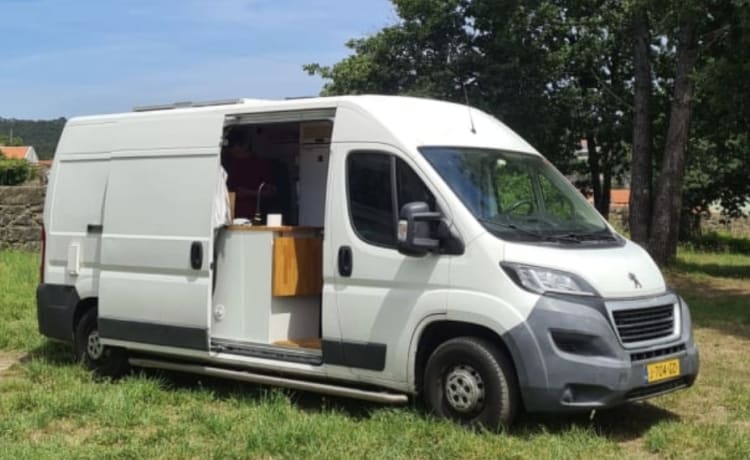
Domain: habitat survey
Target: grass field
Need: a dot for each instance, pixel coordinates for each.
(51, 407)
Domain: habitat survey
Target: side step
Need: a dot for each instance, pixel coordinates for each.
(323, 388)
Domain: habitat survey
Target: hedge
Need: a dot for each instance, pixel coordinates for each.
(14, 172)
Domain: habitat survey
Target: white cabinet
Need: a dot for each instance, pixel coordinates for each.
(313, 174)
(244, 307)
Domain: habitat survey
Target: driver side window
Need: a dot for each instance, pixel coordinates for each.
(371, 191)
(410, 187)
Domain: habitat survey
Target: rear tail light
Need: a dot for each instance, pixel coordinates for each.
(44, 254)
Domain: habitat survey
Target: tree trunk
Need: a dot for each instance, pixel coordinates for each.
(605, 200)
(668, 200)
(595, 171)
(690, 225)
(640, 169)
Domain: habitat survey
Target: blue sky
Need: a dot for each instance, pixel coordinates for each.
(79, 57)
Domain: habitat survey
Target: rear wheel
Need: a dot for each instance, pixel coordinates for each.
(471, 381)
(103, 360)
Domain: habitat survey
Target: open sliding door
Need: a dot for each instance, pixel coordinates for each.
(155, 284)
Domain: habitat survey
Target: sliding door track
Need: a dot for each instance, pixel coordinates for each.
(262, 350)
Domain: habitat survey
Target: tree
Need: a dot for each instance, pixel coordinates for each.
(597, 66)
(691, 31)
(422, 55)
(668, 199)
(6, 140)
(717, 167)
(641, 165)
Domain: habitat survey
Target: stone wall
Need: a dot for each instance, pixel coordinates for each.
(738, 228)
(21, 209)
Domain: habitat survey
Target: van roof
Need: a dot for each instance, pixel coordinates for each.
(411, 121)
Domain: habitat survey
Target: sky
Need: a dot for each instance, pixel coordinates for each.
(83, 57)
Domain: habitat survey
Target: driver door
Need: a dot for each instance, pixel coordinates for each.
(380, 293)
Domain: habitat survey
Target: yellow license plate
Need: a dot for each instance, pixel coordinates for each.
(663, 370)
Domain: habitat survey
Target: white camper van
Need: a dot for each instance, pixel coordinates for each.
(394, 247)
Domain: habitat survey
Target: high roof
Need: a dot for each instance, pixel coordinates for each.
(410, 122)
(419, 122)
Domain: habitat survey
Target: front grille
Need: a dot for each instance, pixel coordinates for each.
(656, 389)
(642, 324)
(651, 354)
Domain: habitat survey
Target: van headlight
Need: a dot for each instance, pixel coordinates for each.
(541, 280)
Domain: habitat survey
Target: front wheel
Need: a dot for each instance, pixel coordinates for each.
(471, 381)
(103, 360)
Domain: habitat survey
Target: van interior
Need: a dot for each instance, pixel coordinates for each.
(268, 274)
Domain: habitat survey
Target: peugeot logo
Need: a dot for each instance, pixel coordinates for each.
(635, 281)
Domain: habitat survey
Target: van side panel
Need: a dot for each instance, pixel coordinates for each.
(157, 238)
(75, 218)
(72, 220)
(157, 207)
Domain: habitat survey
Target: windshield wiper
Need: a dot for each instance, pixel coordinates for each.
(597, 235)
(539, 236)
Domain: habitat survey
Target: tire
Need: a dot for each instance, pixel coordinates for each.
(471, 381)
(102, 360)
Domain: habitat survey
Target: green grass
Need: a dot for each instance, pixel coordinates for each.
(51, 407)
(19, 275)
(715, 285)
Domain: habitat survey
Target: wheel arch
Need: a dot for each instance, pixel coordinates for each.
(83, 306)
(439, 331)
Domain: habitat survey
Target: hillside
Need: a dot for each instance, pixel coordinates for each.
(42, 134)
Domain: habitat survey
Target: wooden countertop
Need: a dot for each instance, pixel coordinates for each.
(263, 228)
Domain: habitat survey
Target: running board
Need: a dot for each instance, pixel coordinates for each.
(323, 388)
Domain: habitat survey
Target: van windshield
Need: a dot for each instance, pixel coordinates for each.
(518, 197)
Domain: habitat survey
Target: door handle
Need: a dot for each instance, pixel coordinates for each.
(345, 261)
(196, 255)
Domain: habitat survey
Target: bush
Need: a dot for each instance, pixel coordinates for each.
(14, 172)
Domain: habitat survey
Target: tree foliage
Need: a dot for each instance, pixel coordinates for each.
(7, 140)
(719, 160)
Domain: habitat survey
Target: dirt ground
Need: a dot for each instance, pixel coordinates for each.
(8, 359)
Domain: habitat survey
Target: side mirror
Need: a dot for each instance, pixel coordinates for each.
(415, 229)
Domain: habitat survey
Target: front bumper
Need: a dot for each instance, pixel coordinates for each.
(569, 356)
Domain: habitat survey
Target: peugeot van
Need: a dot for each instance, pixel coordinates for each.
(419, 249)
